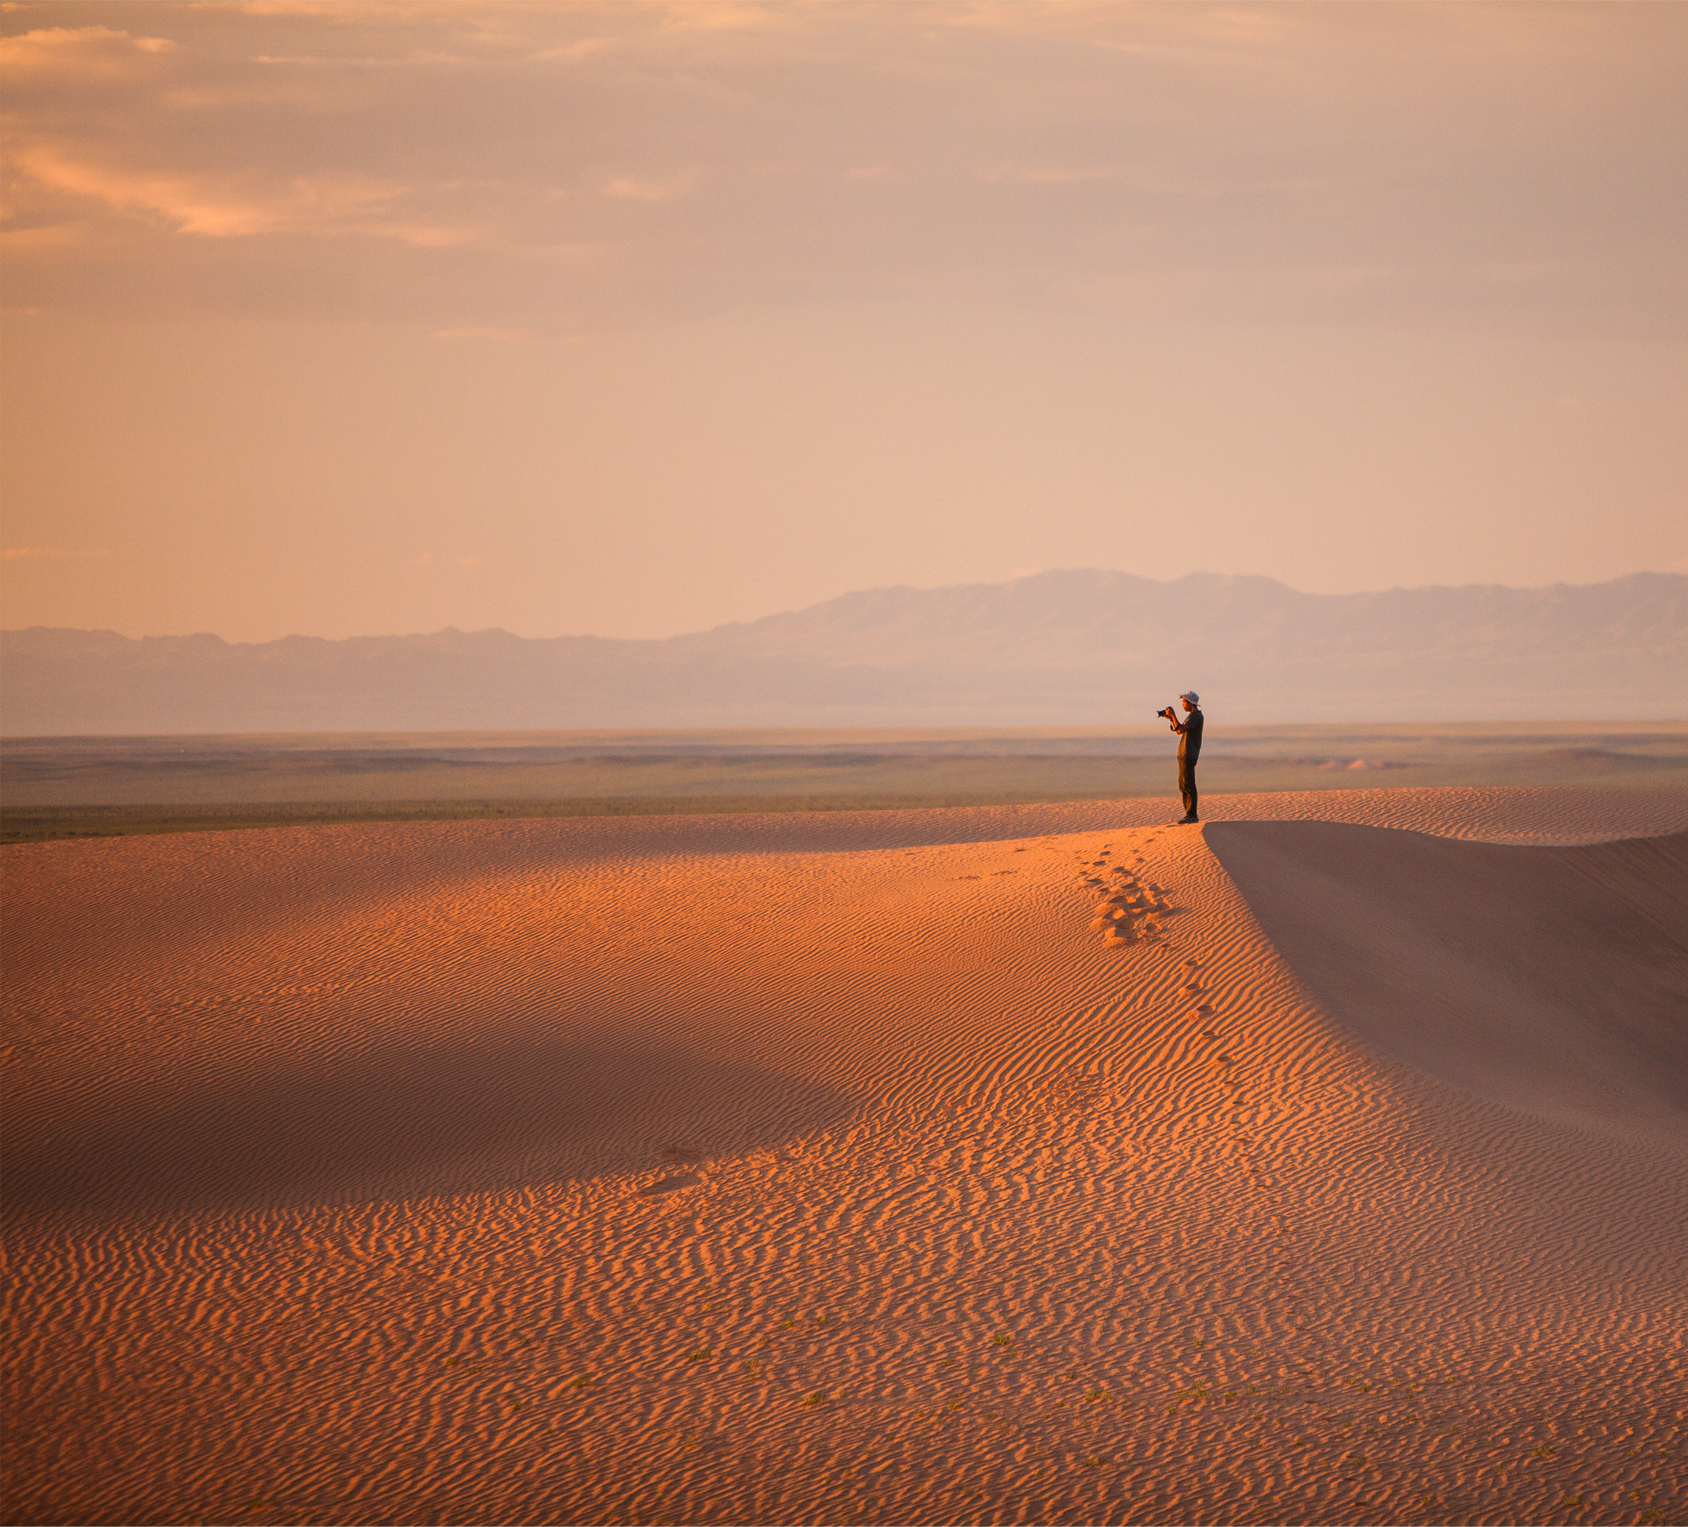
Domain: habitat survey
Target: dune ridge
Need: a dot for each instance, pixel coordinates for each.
(784, 1170)
(1553, 980)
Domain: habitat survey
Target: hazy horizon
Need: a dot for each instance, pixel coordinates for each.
(882, 589)
(642, 319)
(1060, 647)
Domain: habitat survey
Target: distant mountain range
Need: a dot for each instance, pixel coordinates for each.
(1058, 648)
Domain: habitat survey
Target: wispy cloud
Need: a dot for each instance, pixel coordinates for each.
(196, 204)
(213, 207)
(86, 51)
(574, 52)
(631, 188)
(429, 160)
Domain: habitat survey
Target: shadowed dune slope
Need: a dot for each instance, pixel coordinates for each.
(1553, 980)
(469, 1116)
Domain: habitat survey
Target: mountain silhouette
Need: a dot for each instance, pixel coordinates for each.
(1080, 646)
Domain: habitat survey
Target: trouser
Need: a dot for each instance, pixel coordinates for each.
(1187, 784)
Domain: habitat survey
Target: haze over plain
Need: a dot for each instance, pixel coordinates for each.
(636, 320)
(1060, 648)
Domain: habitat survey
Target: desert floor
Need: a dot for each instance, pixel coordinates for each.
(78, 787)
(1323, 1163)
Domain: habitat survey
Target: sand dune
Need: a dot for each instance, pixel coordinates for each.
(1022, 1163)
(1551, 980)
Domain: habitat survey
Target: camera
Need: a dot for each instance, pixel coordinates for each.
(1167, 713)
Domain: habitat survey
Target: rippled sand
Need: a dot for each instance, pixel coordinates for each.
(987, 1165)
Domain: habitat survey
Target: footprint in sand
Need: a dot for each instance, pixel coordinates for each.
(675, 1155)
(1129, 910)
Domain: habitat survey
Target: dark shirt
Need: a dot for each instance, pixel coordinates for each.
(1190, 736)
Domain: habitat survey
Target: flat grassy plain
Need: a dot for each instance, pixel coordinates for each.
(63, 787)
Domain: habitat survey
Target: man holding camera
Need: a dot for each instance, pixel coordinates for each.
(1189, 750)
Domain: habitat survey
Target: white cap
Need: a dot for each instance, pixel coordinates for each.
(1191, 696)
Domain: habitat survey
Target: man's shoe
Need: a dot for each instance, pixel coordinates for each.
(1182, 820)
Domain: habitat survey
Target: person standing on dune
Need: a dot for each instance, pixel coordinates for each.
(1189, 750)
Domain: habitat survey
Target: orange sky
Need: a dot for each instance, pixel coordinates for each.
(635, 319)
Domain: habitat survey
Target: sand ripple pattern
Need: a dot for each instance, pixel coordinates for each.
(517, 1172)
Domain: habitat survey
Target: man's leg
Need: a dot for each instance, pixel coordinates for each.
(1187, 785)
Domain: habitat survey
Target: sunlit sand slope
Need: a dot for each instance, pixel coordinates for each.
(961, 1166)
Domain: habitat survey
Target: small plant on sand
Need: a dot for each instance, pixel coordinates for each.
(817, 1398)
(700, 1355)
(1003, 1341)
